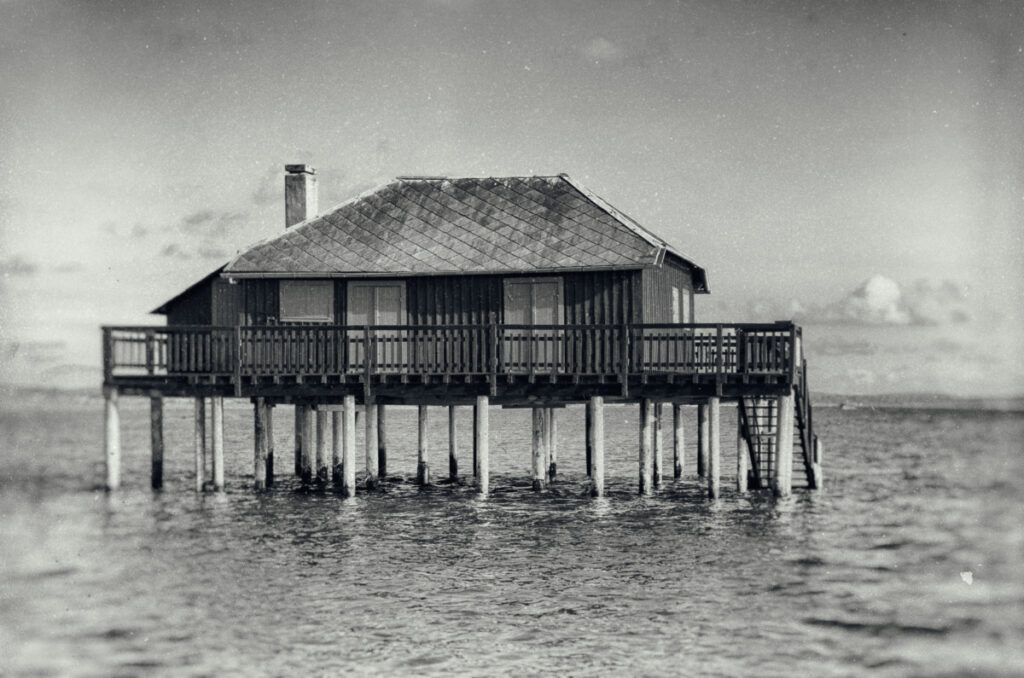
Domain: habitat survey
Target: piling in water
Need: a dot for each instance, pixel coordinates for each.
(323, 460)
(537, 449)
(596, 422)
(742, 456)
(715, 449)
(453, 446)
(702, 439)
(423, 464)
(199, 442)
(646, 443)
(112, 439)
(659, 444)
(678, 439)
(156, 442)
(481, 435)
(217, 439)
(371, 446)
(348, 449)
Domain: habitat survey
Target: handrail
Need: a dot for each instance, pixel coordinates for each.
(486, 349)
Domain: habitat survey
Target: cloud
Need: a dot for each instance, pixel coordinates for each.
(175, 251)
(602, 49)
(211, 222)
(880, 300)
(17, 266)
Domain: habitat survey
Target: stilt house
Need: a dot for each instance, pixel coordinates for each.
(522, 291)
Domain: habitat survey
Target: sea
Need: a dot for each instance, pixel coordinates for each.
(910, 561)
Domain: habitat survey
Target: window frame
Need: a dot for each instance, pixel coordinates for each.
(327, 319)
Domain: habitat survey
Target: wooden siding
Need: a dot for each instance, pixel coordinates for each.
(602, 298)
(193, 307)
(228, 301)
(657, 292)
(454, 300)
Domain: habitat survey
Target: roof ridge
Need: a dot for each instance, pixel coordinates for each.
(445, 177)
(615, 213)
(626, 220)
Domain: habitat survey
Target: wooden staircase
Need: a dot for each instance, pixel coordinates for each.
(759, 419)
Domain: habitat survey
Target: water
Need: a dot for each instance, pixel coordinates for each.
(907, 564)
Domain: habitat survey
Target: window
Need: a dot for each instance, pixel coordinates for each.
(307, 301)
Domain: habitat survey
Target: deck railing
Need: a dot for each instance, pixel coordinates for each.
(317, 350)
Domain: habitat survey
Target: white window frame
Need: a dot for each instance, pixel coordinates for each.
(403, 314)
(559, 302)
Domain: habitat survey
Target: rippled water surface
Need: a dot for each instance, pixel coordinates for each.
(909, 563)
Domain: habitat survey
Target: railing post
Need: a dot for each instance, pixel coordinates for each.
(794, 350)
(108, 355)
(495, 356)
(624, 359)
(238, 360)
(741, 351)
(150, 340)
(720, 350)
(367, 365)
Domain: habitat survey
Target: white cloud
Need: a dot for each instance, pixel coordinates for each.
(880, 300)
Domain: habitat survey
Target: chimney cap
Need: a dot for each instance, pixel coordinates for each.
(300, 169)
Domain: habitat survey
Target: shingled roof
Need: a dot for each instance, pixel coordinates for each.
(439, 225)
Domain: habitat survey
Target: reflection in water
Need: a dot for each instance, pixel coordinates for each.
(862, 576)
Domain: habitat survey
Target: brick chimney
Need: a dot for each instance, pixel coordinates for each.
(300, 199)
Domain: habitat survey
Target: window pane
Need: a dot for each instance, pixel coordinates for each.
(307, 301)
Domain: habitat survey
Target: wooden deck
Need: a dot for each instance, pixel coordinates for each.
(417, 364)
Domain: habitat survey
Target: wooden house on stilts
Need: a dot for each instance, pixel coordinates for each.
(527, 292)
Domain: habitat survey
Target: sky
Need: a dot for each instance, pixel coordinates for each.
(856, 166)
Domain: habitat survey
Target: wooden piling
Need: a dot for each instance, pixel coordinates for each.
(474, 442)
(715, 449)
(217, 422)
(270, 444)
(156, 442)
(702, 439)
(589, 427)
(423, 464)
(659, 445)
(199, 442)
(552, 443)
(596, 409)
(678, 441)
(537, 449)
(816, 463)
(323, 460)
(782, 472)
(371, 446)
(308, 445)
(382, 443)
(112, 438)
(742, 455)
(646, 443)
(337, 448)
(482, 435)
(299, 425)
(348, 451)
(259, 410)
(453, 446)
